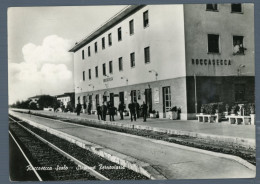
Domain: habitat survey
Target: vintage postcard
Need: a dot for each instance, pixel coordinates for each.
(137, 92)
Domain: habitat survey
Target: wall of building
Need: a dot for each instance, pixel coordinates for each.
(64, 100)
(178, 94)
(164, 36)
(199, 23)
(178, 51)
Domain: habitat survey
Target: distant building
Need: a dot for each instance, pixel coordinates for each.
(34, 99)
(66, 98)
(169, 55)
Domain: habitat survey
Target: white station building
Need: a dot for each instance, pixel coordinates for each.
(169, 55)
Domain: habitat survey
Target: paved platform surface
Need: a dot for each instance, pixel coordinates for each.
(172, 161)
(220, 129)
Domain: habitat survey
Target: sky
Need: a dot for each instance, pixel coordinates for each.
(38, 42)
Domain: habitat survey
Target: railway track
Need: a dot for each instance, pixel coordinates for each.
(52, 158)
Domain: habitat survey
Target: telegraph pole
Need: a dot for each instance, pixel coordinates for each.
(195, 89)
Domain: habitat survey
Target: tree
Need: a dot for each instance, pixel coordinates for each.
(46, 101)
(33, 106)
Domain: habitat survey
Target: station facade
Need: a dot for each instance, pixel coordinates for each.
(169, 55)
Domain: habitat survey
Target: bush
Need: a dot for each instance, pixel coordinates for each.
(212, 107)
(249, 108)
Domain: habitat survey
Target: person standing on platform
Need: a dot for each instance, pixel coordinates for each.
(132, 110)
(99, 112)
(84, 107)
(121, 109)
(111, 111)
(78, 108)
(104, 111)
(144, 109)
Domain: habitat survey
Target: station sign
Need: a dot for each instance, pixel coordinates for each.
(108, 79)
(211, 62)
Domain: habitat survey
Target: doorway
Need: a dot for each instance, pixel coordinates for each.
(148, 99)
(122, 97)
(166, 99)
(111, 97)
(97, 100)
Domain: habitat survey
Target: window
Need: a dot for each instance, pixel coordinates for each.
(131, 27)
(147, 55)
(133, 96)
(96, 71)
(119, 34)
(95, 47)
(146, 19)
(83, 54)
(88, 50)
(110, 67)
(212, 7)
(213, 43)
(120, 64)
(89, 73)
(103, 43)
(104, 69)
(83, 75)
(132, 59)
(238, 47)
(109, 39)
(239, 92)
(236, 8)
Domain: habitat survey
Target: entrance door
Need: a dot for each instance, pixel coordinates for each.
(133, 96)
(112, 99)
(122, 97)
(166, 99)
(148, 99)
(104, 98)
(97, 100)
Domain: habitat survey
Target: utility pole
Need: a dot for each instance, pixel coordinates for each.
(195, 89)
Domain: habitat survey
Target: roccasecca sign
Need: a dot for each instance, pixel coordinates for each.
(211, 62)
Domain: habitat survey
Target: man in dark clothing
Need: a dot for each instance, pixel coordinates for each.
(104, 111)
(121, 108)
(132, 110)
(78, 109)
(144, 109)
(99, 112)
(84, 107)
(111, 111)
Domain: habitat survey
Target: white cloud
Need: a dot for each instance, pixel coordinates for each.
(47, 68)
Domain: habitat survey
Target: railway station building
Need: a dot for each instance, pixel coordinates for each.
(169, 55)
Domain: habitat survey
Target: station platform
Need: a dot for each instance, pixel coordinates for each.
(183, 126)
(172, 161)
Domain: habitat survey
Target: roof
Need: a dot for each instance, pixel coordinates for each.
(37, 96)
(65, 95)
(129, 10)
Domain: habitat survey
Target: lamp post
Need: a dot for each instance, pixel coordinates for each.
(92, 86)
(195, 91)
(79, 89)
(156, 74)
(126, 79)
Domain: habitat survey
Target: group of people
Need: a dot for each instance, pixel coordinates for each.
(134, 109)
(108, 108)
(86, 108)
(104, 109)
